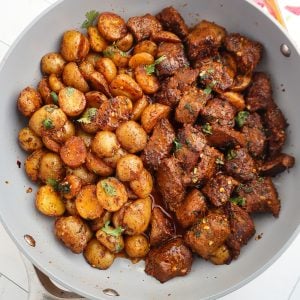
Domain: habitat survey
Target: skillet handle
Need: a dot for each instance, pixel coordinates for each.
(41, 287)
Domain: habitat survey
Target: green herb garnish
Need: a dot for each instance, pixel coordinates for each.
(197, 233)
(112, 231)
(88, 116)
(231, 154)
(247, 189)
(150, 69)
(177, 145)
(206, 128)
(54, 97)
(48, 124)
(108, 188)
(209, 87)
(110, 51)
(219, 161)
(238, 200)
(189, 107)
(241, 118)
(90, 18)
(59, 187)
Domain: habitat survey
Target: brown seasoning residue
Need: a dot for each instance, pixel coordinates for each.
(19, 164)
(259, 236)
(29, 190)
(29, 240)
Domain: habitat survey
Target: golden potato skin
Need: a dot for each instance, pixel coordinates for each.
(141, 58)
(143, 185)
(139, 107)
(75, 184)
(137, 246)
(55, 84)
(114, 243)
(97, 255)
(105, 144)
(84, 174)
(45, 91)
(64, 133)
(97, 42)
(71, 207)
(49, 202)
(73, 232)
(107, 68)
(148, 82)
(111, 194)
(52, 63)
(132, 136)
(125, 43)
(32, 164)
(86, 68)
(112, 161)
(129, 167)
(98, 223)
(146, 46)
(97, 165)
(28, 140)
(29, 101)
(94, 99)
(221, 256)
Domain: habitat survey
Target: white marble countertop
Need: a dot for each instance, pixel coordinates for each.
(278, 282)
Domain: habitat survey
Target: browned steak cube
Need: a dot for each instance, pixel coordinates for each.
(174, 58)
(219, 188)
(204, 40)
(260, 196)
(171, 20)
(259, 95)
(159, 145)
(187, 158)
(169, 260)
(169, 181)
(241, 227)
(209, 234)
(248, 53)
(193, 207)
(240, 164)
(143, 27)
(162, 227)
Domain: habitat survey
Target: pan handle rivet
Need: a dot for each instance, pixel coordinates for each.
(285, 50)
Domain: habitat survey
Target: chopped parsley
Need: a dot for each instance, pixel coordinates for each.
(88, 116)
(177, 145)
(91, 16)
(241, 118)
(48, 124)
(54, 97)
(219, 161)
(59, 187)
(238, 200)
(209, 87)
(247, 189)
(189, 107)
(112, 231)
(150, 69)
(231, 154)
(108, 188)
(197, 233)
(205, 73)
(206, 128)
(110, 51)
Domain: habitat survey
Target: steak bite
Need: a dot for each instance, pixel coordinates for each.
(260, 196)
(172, 259)
(159, 145)
(219, 189)
(171, 20)
(142, 27)
(209, 234)
(162, 227)
(240, 164)
(174, 58)
(259, 95)
(241, 227)
(169, 181)
(172, 88)
(193, 207)
(204, 40)
(247, 52)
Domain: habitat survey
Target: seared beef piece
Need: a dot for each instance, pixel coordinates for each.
(193, 207)
(219, 188)
(215, 75)
(204, 40)
(143, 27)
(240, 164)
(222, 136)
(171, 259)
(172, 88)
(247, 52)
(254, 134)
(159, 145)
(174, 58)
(169, 181)
(260, 196)
(171, 20)
(241, 226)
(187, 158)
(277, 165)
(191, 103)
(162, 227)
(209, 234)
(276, 125)
(219, 111)
(165, 36)
(259, 95)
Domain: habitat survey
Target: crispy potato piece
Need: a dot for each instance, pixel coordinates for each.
(52, 63)
(146, 46)
(105, 144)
(137, 246)
(32, 164)
(71, 207)
(73, 232)
(86, 137)
(84, 174)
(132, 136)
(148, 82)
(49, 202)
(126, 71)
(99, 83)
(74, 183)
(241, 82)
(28, 140)
(112, 161)
(221, 256)
(29, 101)
(71, 101)
(86, 68)
(129, 167)
(74, 46)
(97, 255)
(119, 57)
(88, 121)
(107, 68)
(152, 114)
(142, 186)
(51, 144)
(126, 42)
(165, 36)
(98, 223)
(111, 238)
(141, 58)
(111, 26)
(139, 107)
(87, 203)
(124, 85)
(235, 99)
(64, 133)
(92, 58)
(97, 42)
(45, 91)
(111, 194)
(97, 165)
(94, 99)
(55, 84)
(73, 152)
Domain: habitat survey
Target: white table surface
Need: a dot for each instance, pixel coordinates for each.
(279, 282)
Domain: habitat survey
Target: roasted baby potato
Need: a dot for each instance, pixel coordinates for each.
(97, 165)
(97, 42)
(146, 46)
(52, 63)
(55, 84)
(84, 174)
(29, 101)
(125, 43)
(86, 68)
(141, 58)
(139, 107)
(45, 91)
(107, 68)
(112, 161)
(99, 83)
(28, 140)
(137, 246)
(129, 167)
(147, 81)
(105, 144)
(74, 185)
(120, 58)
(98, 223)
(221, 256)
(142, 185)
(64, 133)
(32, 164)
